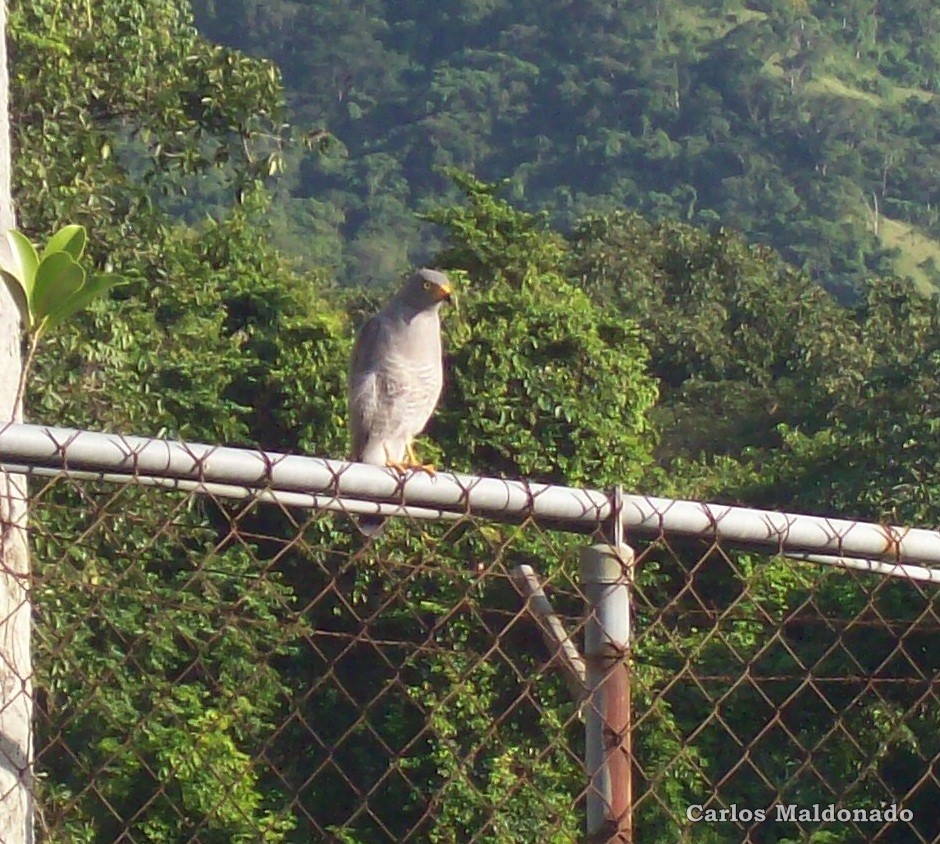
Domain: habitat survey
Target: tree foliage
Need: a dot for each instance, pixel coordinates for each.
(113, 104)
(555, 383)
(662, 355)
(810, 127)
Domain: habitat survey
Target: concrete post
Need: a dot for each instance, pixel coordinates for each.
(16, 672)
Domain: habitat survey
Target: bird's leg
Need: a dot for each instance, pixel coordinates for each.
(396, 465)
(415, 463)
(411, 463)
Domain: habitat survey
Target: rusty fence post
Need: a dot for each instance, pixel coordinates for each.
(605, 577)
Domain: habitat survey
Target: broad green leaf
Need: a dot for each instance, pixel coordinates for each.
(69, 239)
(59, 276)
(22, 262)
(19, 296)
(95, 287)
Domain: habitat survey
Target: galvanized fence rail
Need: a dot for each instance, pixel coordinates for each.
(220, 656)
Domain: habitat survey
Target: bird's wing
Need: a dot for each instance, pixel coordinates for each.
(363, 387)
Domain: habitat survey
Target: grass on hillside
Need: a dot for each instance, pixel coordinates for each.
(915, 249)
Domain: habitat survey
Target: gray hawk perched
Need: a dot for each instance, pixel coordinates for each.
(395, 377)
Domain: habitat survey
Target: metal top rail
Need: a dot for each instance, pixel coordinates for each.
(358, 488)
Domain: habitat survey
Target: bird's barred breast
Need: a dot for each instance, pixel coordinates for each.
(410, 390)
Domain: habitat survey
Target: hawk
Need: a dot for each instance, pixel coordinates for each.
(395, 377)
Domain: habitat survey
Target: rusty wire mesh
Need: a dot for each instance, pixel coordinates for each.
(209, 670)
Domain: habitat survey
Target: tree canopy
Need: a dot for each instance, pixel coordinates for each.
(609, 330)
(810, 127)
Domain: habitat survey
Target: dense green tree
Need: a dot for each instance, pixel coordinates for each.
(227, 644)
(773, 394)
(556, 383)
(156, 639)
(781, 120)
(220, 348)
(739, 340)
(153, 101)
(874, 456)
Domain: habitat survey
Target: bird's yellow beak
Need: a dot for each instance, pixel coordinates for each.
(444, 291)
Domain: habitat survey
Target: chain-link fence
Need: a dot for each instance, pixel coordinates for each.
(220, 656)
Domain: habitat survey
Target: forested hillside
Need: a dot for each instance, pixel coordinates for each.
(587, 349)
(813, 127)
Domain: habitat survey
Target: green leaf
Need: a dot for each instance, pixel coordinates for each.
(69, 239)
(95, 287)
(19, 296)
(59, 276)
(22, 262)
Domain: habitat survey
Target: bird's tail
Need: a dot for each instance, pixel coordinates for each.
(370, 526)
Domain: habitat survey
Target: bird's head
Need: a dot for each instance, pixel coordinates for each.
(426, 289)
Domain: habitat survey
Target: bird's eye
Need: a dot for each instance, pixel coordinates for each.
(428, 285)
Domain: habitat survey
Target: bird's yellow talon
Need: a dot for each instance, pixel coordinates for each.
(403, 468)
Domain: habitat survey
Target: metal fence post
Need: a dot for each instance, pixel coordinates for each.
(605, 577)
